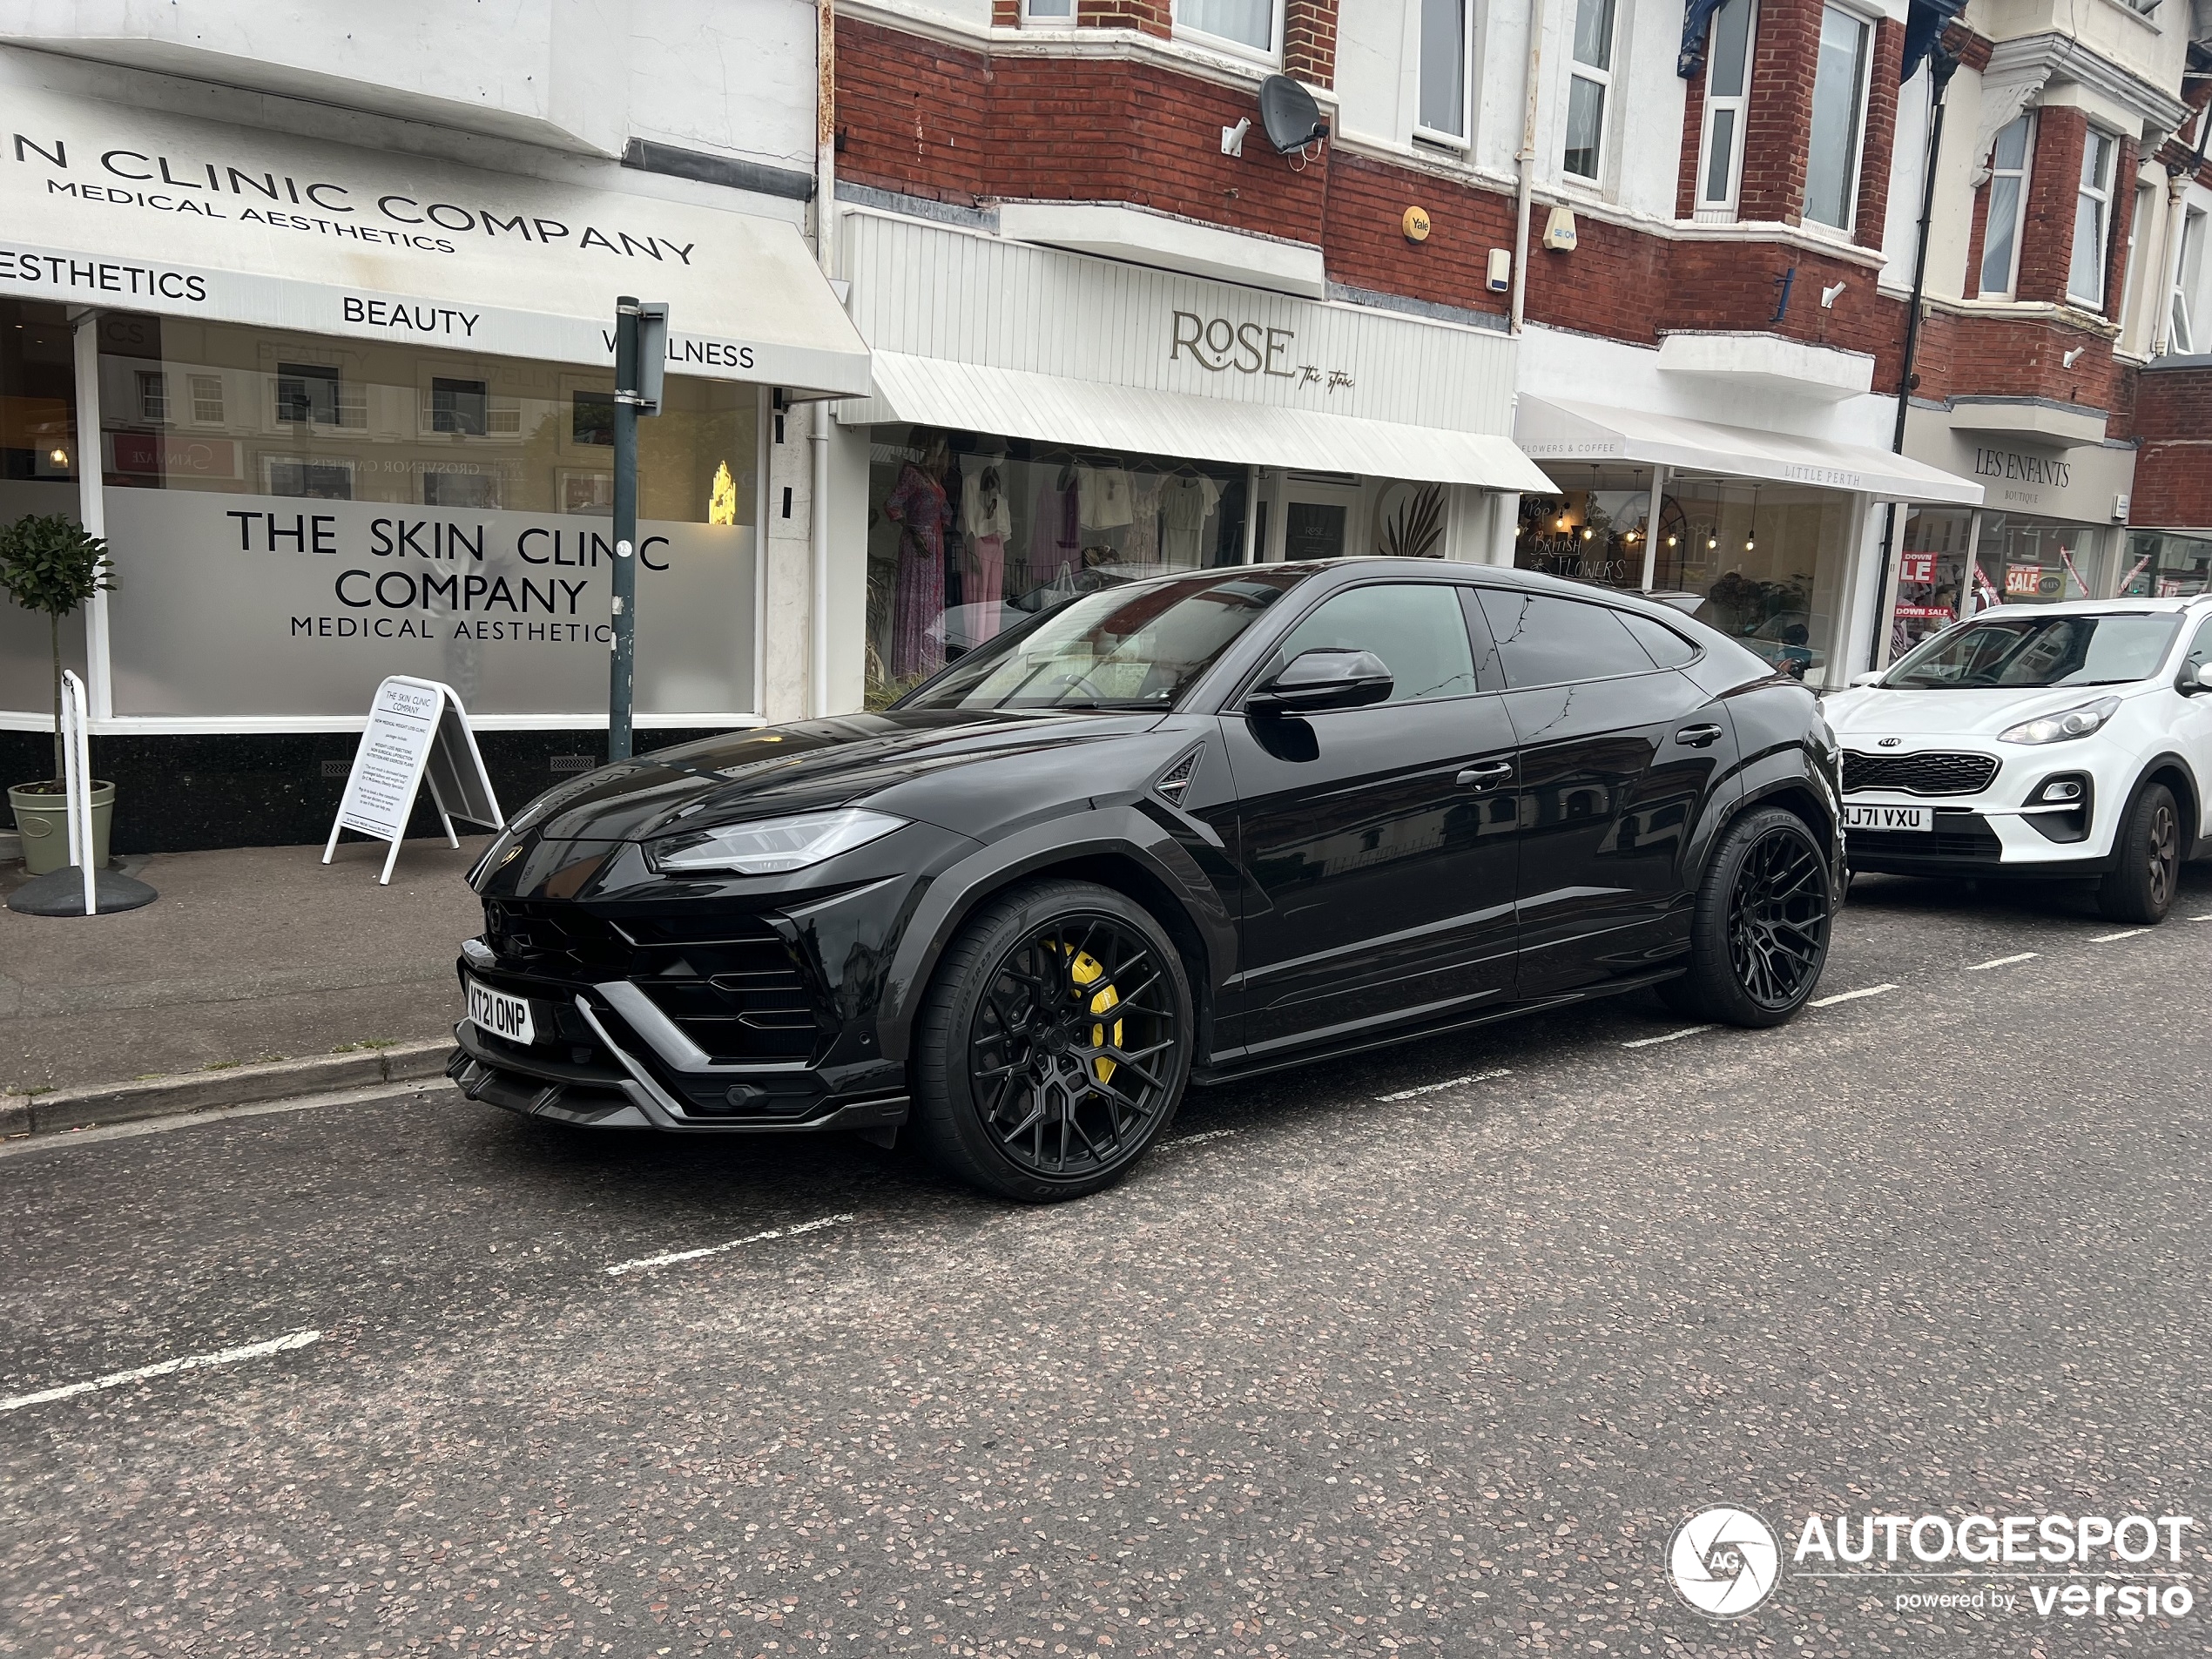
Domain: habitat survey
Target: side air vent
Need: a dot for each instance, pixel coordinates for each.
(1177, 777)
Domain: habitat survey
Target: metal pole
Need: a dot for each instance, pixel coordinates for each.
(91, 503)
(622, 681)
(1941, 66)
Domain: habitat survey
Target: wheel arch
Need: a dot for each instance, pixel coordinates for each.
(1152, 871)
(2171, 769)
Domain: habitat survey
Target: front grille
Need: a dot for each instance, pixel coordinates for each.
(1956, 835)
(1920, 774)
(732, 985)
(555, 939)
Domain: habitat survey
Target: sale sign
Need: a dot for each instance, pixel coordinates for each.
(2023, 579)
(1918, 567)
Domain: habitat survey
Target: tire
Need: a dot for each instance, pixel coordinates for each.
(1016, 1056)
(1759, 932)
(2142, 884)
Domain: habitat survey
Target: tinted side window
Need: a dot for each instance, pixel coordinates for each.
(1668, 648)
(1548, 641)
(1415, 627)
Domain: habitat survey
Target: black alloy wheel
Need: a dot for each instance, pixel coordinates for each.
(1759, 931)
(2146, 871)
(1054, 1044)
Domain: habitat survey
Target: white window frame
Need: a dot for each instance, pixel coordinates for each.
(1050, 19)
(1858, 124)
(1719, 208)
(1463, 139)
(2026, 174)
(1601, 79)
(2183, 313)
(2101, 195)
(198, 382)
(1271, 54)
(153, 396)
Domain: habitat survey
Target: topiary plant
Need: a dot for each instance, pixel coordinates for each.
(48, 563)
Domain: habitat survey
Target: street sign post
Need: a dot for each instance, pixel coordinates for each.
(641, 358)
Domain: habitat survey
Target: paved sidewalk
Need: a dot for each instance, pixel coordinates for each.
(250, 954)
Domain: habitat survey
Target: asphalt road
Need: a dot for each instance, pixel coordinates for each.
(1346, 1368)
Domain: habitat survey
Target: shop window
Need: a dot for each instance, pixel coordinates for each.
(1728, 83)
(2160, 566)
(286, 568)
(2036, 561)
(37, 475)
(1444, 77)
(2009, 160)
(1247, 23)
(313, 394)
(1762, 563)
(1589, 81)
(2085, 275)
(2189, 283)
(1838, 118)
(970, 535)
(1417, 628)
(1595, 530)
(153, 396)
(1932, 574)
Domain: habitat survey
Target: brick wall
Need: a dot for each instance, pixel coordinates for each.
(1366, 244)
(2173, 486)
(1693, 139)
(1778, 121)
(2123, 218)
(2002, 356)
(1147, 17)
(1880, 144)
(1309, 40)
(2047, 229)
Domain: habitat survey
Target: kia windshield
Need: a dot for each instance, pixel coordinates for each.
(1134, 647)
(2031, 652)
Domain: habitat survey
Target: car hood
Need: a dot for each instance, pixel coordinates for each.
(804, 766)
(1871, 710)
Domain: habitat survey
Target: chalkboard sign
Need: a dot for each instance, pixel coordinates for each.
(417, 730)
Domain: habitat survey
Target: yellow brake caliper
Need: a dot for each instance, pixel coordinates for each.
(1087, 970)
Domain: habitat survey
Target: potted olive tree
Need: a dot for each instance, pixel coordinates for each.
(48, 563)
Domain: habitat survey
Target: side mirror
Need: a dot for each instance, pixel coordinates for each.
(1324, 677)
(2193, 682)
(1873, 677)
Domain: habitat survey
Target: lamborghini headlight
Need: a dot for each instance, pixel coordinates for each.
(772, 846)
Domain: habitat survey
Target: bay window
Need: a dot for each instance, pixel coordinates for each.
(1248, 23)
(1728, 80)
(1444, 70)
(2085, 275)
(1590, 78)
(1838, 118)
(2008, 172)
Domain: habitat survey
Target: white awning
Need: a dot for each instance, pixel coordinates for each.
(139, 210)
(1554, 430)
(1094, 414)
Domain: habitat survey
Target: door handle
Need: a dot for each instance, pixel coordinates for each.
(1697, 737)
(1496, 772)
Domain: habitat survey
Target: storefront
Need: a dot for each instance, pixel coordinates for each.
(1761, 534)
(343, 415)
(2050, 526)
(1044, 422)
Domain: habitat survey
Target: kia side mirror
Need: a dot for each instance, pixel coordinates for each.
(2194, 681)
(1320, 679)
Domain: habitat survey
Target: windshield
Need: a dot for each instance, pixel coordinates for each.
(1137, 647)
(2028, 651)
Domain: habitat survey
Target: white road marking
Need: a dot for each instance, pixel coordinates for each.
(644, 1263)
(1203, 1135)
(2106, 939)
(1671, 1036)
(2004, 961)
(2201, 918)
(188, 1362)
(1848, 997)
(1449, 1083)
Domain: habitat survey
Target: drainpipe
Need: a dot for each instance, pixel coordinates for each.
(1942, 64)
(1525, 159)
(818, 607)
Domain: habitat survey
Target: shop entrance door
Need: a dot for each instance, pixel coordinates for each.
(1319, 516)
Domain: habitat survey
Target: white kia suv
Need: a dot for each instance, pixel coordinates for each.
(2066, 740)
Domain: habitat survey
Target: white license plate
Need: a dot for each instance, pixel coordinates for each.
(497, 1014)
(1889, 818)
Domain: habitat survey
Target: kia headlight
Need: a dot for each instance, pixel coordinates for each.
(2067, 722)
(772, 845)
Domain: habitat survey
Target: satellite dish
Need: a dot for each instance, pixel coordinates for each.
(1289, 115)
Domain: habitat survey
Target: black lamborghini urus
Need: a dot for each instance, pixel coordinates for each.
(1184, 830)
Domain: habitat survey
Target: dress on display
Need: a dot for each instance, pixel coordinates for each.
(917, 506)
(1186, 502)
(987, 520)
